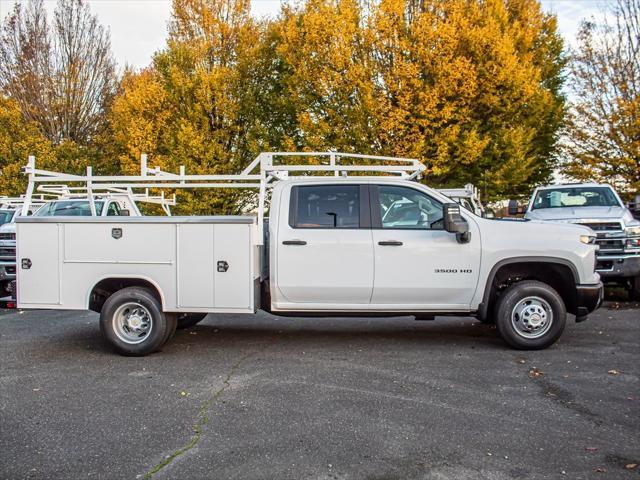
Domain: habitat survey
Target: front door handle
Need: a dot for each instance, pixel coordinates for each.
(390, 243)
(294, 242)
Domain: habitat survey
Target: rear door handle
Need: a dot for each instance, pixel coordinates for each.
(390, 243)
(294, 242)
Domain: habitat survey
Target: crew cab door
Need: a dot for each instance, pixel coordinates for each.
(324, 247)
(417, 263)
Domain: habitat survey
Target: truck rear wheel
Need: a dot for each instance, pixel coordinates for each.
(133, 322)
(530, 315)
(186, 320)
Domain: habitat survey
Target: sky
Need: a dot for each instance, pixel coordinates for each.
(139, 27)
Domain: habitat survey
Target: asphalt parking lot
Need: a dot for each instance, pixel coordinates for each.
(271, 398)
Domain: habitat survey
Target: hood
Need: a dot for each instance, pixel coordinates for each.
(568, 214)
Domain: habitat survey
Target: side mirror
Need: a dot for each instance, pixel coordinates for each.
(455, 223)
(513, 207)
(125, 213)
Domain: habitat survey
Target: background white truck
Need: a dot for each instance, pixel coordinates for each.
(329, 249)
(599, 207)
(10, 209)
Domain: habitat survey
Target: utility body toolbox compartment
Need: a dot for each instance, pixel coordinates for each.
(197, 264)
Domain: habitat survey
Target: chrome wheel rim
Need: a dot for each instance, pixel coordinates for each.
(132, 323)
(532, 317)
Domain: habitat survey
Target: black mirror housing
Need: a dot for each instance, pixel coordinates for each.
(454, 222)
(125, 213)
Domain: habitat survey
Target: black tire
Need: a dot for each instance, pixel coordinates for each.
(172, 321)
(538, 300)
(634, 290)
(139, 304)
(187, 320)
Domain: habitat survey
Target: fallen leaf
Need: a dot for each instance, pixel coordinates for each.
(183, 393)
(534, 372)
(591, 449)
(614, 372)
(630, 466)
(600, 470)
(520, 360)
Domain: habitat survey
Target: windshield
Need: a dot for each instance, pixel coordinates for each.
(68, 208)
(575, 197)
(6, 216)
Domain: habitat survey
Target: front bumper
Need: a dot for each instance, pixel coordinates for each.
(589, 298)
(621, 266)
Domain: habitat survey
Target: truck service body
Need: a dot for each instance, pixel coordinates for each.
(333, 245)
(63, 201)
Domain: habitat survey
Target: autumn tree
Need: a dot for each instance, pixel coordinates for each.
(604, 128)
(191, 106)
(62, 75)
(18, 139)
(471, 88)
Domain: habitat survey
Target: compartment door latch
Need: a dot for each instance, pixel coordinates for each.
(25, 263)
(223, 266)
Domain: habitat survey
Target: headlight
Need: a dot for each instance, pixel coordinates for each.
(632, 231)
(589, 239)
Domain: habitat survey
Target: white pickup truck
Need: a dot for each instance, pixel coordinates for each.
(335, 245)
(598, 207)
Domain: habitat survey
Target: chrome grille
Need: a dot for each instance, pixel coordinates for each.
(609, 236)
(8, 254)
(603, 226)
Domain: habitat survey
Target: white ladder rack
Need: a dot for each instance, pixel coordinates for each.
(14, 203)
(266, 168)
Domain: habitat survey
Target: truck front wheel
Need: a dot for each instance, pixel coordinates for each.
(133, 322)
(530, 315)
(186, 320)
(634, 291)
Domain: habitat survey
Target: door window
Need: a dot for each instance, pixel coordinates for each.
(325, 206)
(408, 208)
(113, 209)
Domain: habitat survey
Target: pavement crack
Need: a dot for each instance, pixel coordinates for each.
(201, 420)
(550, 390)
